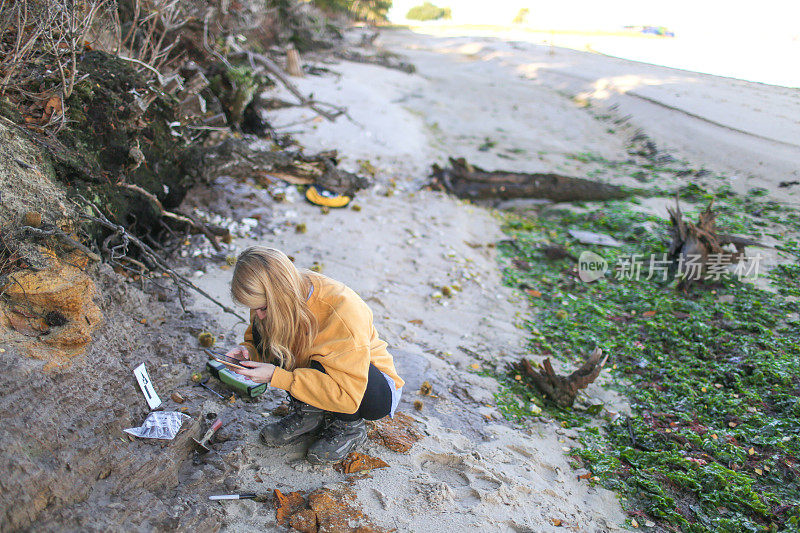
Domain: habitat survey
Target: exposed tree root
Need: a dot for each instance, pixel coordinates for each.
(559, 389)
(150, 255)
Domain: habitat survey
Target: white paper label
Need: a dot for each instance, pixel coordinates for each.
(147, 386)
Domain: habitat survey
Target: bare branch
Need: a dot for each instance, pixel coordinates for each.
(152, 256)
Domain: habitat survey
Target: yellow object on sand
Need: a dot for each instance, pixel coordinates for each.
(320, 196)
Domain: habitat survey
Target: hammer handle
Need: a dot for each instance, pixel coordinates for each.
(213, 429)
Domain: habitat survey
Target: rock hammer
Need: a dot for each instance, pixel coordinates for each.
(202, 444)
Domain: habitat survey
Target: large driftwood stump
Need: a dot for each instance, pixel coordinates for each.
(699, 242)
(562, 390)
(468, 181)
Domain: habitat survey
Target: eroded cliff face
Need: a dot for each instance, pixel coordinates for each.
(71, 332)
(65, 459)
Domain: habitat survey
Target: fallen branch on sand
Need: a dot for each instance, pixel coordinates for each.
(559, 389)
(383, 58)
(234, 157)
(150, 255)
(276, 71)
(468, 181)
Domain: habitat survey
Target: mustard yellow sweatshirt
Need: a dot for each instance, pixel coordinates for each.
(346, 345)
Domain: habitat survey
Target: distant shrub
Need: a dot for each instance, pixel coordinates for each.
(522, 16)
(428, 11)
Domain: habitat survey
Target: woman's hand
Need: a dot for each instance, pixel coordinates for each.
(258, 372)
(240, 353)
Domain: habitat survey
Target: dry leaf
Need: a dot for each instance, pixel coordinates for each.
(557, 522)
(534, 293)
(416, 322)
(648, 313)
(475, 366)
(585, 476)
(53, 106)
(398, 434)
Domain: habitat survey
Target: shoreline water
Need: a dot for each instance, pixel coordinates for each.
(746, 58)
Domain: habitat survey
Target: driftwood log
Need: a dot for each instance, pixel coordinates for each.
(562, 390)
(382, 58)
(699, 242)
(468, 181)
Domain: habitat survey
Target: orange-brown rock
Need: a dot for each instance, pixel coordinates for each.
(338, 511)
(304, 521)
(328, 510)
(28, 325)
(358, 462)
(287, 505)
(398, 434)
(54, 307)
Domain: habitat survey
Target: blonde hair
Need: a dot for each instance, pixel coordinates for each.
(267, 277)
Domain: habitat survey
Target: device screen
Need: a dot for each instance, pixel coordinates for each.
(224, 359)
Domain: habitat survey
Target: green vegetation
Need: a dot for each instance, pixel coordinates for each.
(364, 10)
(712, 376)
(428, 11)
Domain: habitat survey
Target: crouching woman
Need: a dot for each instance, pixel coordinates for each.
(313, 337)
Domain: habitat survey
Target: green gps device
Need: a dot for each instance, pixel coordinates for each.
(241, 384)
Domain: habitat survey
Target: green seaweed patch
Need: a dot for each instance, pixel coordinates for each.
(712, 375)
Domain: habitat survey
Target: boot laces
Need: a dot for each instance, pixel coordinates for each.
(336, 428)
(295, 416)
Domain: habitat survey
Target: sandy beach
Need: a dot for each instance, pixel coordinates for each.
(538, 107)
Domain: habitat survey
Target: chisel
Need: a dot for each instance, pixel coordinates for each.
(243, 496)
